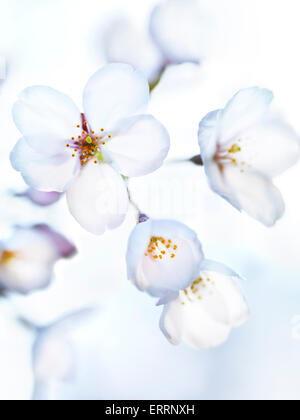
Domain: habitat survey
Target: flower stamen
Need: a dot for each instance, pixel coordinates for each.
(159, 248)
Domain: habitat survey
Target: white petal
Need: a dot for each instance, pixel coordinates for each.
(191, 324)
(124, 43)
(115, 92)
(98, 198)
(44, 172)
(208, 134)
(158, 277)
(205, 313)
(139, 146)
(47, 119)
(249, 191)
(223, 281)
(246, 108)
(180, 30)
(271, 147)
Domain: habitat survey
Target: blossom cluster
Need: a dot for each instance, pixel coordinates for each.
(89, 154)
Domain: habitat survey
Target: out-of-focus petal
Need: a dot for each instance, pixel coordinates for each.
(43, 172)
(46, 118)
(29, 266)
(98, 198)
(115, 92)
(64, 248)
(180, 30)
(40, 198)
(124, 43)
(139, 146)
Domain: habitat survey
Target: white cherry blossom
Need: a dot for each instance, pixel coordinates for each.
(243, 147)
(204, 314)
(202, 298)
(163, 256)
(28, 257)
(86, 154)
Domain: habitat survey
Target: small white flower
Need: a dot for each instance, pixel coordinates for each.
(204, 314)
(202, 299)
(85, 154)
(243, 148)
(163, 256)
(28, 257)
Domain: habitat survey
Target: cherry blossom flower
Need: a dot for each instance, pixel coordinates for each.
(28, 257)
(243, 147)
(87, 154)
(204, 313)
(178, 32)
(202, 299)
(163, 256)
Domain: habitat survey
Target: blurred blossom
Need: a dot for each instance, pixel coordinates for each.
(202, 299)
(28, 258)
(87, 154)
(178, 32)
(125, 43)
(41, 198)
(54, 358)
(243, 147)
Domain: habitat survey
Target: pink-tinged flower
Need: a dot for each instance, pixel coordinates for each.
(28, 257)
(243, 148)
(87, 154)
(204, 313)
(40, 198)
(202, 299)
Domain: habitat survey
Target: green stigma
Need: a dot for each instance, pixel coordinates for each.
(235, 149)
(154, 240)
(89, 140)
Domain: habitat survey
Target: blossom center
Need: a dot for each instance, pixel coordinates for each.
(160, 248)
(7, 257)
(88, 144)
(231, 154)
(198, 289)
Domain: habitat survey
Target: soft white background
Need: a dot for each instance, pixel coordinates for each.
(121, 352)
